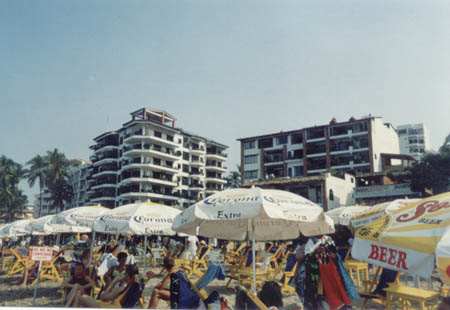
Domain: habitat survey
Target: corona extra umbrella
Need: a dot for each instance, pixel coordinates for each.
(254, 214)
(375, 212)
(78, 220)
(137, 219)
(409, 239)
(343, 215)
(17, 228)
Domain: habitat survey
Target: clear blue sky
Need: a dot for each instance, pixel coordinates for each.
(70, 70)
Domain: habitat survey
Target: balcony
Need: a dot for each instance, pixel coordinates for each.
(105, 173)
(215, 180)
(160, 181)
(148, 195)
(105, 161)
(197, 163)
(217, 156)
(106, 148)
(104, 185)
(103, 198)
(151, 151)
(215, 168)
(141, 138)
(382, 191)
(154, 167)
(273, 158)
(197, 150)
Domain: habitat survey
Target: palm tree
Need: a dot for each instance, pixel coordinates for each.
(234, 178)
(11, 197)
(37, 171)
(57, 179)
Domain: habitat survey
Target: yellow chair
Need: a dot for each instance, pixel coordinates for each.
(404, 297)
(49, 272)
(20, 263)
(358, 271)
(287, 276)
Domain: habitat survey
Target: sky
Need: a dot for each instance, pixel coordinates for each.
(70, 70)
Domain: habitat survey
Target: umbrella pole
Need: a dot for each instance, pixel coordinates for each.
(91, 252)
(254, 259)
(145, 252)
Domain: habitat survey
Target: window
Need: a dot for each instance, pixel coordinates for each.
(298, 171)
(297, 138)
(251, 174)
(281, 140)
(249, 145)
(169, 137)
(331, 195)
(402, 132)
(250, 159)
(158, 134)
(265, 143)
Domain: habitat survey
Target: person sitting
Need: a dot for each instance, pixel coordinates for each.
(123, 292)
(79, 282)
(162, 290)
(116, 270)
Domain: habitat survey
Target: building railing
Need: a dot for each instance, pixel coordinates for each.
(373, 191)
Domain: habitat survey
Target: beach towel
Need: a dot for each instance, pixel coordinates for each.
(350, 287)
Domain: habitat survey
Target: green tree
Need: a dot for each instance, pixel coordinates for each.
(37, 171)
(234, 178)
(57, 179)
(432, 172)
(12, 200)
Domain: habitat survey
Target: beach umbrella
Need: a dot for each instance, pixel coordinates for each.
(343, 215)
(79, 220)
(375, 212)
(254, 214)
(410, 239)
(16, 229)
(137, 219)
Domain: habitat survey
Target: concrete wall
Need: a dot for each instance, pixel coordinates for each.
(384, 140)
(343, 190)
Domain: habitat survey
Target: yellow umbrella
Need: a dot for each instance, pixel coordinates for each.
(409, 239)
(375, 212)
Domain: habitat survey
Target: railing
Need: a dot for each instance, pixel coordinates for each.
(372, 191)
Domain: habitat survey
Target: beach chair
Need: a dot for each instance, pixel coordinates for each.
(49, 271)
(369, 287)
(7, 259)
(288, 274)
(20, 263)
(254, 298)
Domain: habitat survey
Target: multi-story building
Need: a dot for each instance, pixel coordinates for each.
(355, 146)
(414, 140)
(78, 180)
(149, 159)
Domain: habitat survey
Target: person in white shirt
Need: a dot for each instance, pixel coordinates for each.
(191, 248)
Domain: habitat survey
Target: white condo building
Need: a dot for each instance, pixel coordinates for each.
(414, 140)
(149, 159)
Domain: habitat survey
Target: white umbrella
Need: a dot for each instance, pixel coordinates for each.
(17, 228)
(137, 219)
(79, 220)
(254, 214)
(343, 215)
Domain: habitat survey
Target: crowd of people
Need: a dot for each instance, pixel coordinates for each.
(106, 274)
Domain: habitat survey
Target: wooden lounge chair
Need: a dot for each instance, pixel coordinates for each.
(20, 264)
(287, 276)
(49, 271)
(254, 298)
